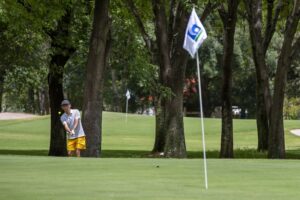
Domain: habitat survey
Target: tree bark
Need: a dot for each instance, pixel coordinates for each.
(43, 107)
(260, 44)
(172, 59)
(276, 139)
(1, 90)
(160, 138)
(62, 52)
(229, 19)
(116, 96)
(262, 117)
(55, 77)
(47, 101)
(93, 92)
(30, 105)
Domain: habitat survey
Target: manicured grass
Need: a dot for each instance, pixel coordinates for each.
(137, 136)
(122, 176)
(45, 178)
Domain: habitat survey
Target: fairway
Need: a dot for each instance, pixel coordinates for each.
(136, 137)
(43, 178)
(126, 172)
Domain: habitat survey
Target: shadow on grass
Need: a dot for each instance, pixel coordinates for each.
(23, 152)
(238, 153)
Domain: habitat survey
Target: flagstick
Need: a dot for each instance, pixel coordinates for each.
(202, 123)
(126, 109)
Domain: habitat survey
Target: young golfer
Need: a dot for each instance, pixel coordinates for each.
(72, 124)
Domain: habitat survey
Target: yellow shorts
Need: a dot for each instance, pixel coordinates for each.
(77, 143)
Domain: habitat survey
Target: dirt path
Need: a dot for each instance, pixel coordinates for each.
(8, 115)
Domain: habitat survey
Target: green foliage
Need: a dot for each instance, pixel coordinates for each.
(291, 109)
(26, 34)
(25, 50)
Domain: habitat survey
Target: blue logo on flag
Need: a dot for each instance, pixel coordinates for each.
(194, 32)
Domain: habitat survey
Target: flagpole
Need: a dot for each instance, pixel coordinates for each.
(202, 123)
(126, 109)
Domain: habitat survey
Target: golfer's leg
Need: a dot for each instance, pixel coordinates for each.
(70, 153)
(71, 147)
(78, 152)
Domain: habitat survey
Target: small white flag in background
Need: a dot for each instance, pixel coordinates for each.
(127, 99)
(128, 95)
(195, 34)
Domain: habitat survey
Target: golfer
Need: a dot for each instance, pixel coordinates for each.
(72, 124)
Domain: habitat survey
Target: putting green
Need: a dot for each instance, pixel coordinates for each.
(45, 178)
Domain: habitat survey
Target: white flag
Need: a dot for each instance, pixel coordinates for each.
(195, 34)
(128, 95)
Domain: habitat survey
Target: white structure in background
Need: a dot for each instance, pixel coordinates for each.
(149, 111)
(236, 110)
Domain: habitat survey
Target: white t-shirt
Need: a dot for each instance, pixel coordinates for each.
(70, 121)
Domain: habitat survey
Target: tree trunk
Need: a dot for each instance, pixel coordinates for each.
(259, 49)
(55, 77)
(160, 138)
(97, 61)
(62, 52)
(42, 99)
(116, 97)
(167, 52)
(229, 19)
(262, 118)
(47, 103)
(172, 60)
(175, 142)
(30, 106)
(37, 102)
(276, 139)
(263, 94)
(1, 90)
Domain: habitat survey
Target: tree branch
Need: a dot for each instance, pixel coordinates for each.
(296, 48)
(271, 22)
(223, 13)
(147, 39)
(161, 32)
(209, 8)
(248, 10)
(172, 14)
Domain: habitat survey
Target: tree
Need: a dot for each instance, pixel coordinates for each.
(62, 50)
(22, 36)
(229, 19)
(287, 52)
(72, 27)
(96, 65)
(260, 41)
(166, 51)
(172, 60)
(270, 110)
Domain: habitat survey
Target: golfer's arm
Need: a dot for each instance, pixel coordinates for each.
(67, 127)
(75, 123)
